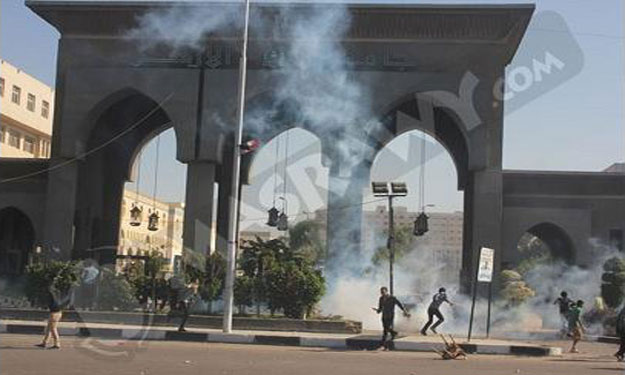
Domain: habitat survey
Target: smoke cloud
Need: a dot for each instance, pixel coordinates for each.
(417, 279)
(316, 87)
(183, 26)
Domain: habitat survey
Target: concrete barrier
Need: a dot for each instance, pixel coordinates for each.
(364, 342)
(195, 321)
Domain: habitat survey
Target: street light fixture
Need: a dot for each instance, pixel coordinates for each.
(397, 189)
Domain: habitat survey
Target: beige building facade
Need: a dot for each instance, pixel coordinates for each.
(440, 247)
(26, 113)
(138, 240)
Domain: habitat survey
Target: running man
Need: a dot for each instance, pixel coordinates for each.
(386, 306)
(434, 310)
(575, 325)
(187, 298)
(564, 305)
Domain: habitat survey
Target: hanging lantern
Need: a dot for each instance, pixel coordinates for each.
(153, 222)
(135, 215)
(272, 221)
(283, 222)
(421, 224)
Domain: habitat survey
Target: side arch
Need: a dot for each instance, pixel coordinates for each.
(557, 239)
(128, 123)
(17, 240)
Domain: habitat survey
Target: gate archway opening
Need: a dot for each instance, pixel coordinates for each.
(17, 239)
(287, 173)
(156, 186)
(439, 251)
(119, 132)
(545, 243)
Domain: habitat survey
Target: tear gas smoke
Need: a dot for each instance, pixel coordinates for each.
(315, 84)
(418, 278)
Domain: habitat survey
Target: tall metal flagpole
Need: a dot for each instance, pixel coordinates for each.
(236, 172)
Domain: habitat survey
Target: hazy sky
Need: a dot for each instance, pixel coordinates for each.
(577, 126)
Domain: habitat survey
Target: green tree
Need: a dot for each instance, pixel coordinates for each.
(243, 293)
(148, 279)
(295, 288)
(404, 244)
(280, 276)
(212, 281)
(305, 237)
(613, 282)
(46, 276)
(257, 256)
(115, 292)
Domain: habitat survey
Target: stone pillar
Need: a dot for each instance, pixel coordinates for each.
(483, 218)
(223, 203)
(198, 209)
(105, 231)
(60, 207)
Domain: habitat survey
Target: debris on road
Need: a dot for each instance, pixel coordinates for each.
(452, 350)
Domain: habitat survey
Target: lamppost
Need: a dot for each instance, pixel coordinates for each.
(236, 176)
(397, 189)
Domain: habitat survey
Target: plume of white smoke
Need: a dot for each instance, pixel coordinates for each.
(418, 277)
(183, 26)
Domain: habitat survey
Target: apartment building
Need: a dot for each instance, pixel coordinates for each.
(26, 113)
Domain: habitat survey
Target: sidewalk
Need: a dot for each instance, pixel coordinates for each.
(368, 341)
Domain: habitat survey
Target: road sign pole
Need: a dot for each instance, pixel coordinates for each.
(483, 273)
(490, 299)
(473, 303)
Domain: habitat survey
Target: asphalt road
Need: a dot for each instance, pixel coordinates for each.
(82, 356)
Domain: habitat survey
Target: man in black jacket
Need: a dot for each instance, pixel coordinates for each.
(386, 306)
(434, 310)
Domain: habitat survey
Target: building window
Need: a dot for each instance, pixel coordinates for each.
(14, 139)
(45, 109)
(30, 103)
(16, 95)
(29, 144)
(2, 87)
(44, 151)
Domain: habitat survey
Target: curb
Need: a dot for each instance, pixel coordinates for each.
(351, 343)
(605, 339)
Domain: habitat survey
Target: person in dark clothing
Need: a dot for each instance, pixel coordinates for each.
(564, 306)
(188, 298)
(434, 310)
(620, 331)
(386, 306)
(57, 301)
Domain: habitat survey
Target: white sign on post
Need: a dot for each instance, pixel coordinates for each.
(487, 260)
